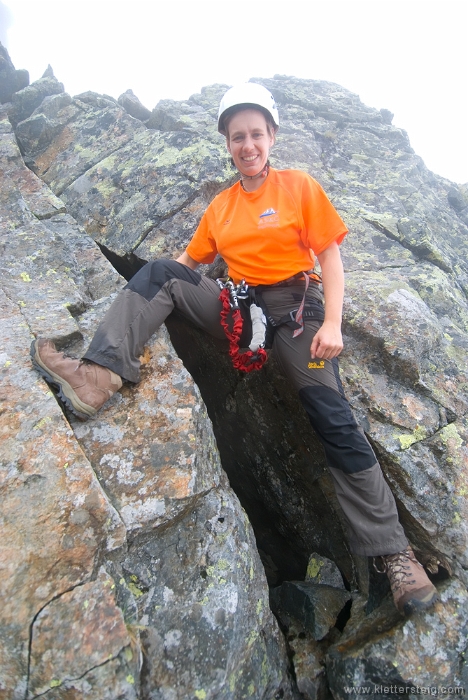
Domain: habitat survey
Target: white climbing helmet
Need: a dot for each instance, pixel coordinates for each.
(248, 95)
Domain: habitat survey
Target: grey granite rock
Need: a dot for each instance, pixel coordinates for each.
(321, 570)
(42, 127)
(314, 606)
(88, 129)
(426, 651)
(81, 630)
(134, 107)
(203, 609)
(25, 101)
(144, 477)
(11, 80)
(309, 664)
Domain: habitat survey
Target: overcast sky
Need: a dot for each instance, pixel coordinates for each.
(409, 56)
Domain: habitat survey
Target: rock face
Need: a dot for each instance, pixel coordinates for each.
(11, 80)
(133, 106)
(423, 651)
(130, 569)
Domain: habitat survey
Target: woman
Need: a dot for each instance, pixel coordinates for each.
(268, 228)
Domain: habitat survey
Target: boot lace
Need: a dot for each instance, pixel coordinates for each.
(398, 568)
(68, 355)
(81, 360)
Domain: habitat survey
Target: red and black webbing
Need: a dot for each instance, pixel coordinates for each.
(246, 361)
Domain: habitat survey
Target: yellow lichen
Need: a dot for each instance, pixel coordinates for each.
(135, 590)
(450, 436)
(406, 440)
(313, 568)
(40, 424)
(252, 637)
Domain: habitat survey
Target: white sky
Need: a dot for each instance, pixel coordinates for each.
(409, 56)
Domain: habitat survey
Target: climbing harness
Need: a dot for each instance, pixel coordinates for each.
(295, 318)
(256, 356)
(299, 317)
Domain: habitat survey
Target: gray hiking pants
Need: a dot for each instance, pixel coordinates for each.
(162, 286)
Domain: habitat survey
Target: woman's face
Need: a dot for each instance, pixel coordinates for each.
(249, 141)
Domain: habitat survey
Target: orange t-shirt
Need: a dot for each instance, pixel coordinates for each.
(271, 234)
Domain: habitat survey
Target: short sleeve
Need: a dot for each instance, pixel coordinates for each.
(202, 247)
(322, 223)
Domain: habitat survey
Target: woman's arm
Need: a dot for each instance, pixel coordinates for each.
(185, 259)
(328, 342)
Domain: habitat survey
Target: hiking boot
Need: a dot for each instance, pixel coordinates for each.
(83, 385)
(410, 585)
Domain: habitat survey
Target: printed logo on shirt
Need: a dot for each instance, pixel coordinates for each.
(228, 221)
(269, 219)
(316, 365)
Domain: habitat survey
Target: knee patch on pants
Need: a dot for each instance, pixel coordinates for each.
(346, 446)
(148, 281)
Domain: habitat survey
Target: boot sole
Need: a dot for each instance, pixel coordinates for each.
(65, 392)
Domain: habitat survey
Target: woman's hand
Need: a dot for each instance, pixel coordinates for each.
(327, 342)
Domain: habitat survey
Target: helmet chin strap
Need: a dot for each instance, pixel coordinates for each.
(263, 173)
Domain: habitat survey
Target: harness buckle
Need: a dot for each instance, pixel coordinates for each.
(236, 291)
(232, 294)
(242, 290)
(292, 315)
(221, 282)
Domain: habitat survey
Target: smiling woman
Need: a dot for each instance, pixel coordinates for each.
(249, 119)
(249, 140)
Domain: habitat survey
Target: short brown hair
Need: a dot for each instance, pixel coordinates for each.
(228, 115)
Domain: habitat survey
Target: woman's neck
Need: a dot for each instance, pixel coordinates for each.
(251, 184)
